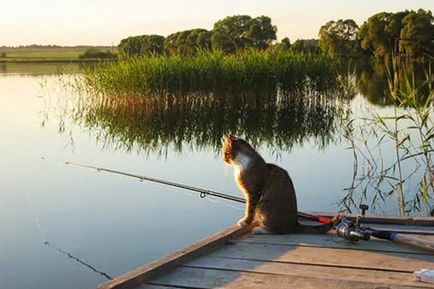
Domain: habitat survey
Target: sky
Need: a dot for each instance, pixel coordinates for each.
(106, 22)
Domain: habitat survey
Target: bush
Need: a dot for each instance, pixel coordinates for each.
(95, 53)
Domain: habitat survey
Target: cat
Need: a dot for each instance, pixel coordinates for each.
(269, 191)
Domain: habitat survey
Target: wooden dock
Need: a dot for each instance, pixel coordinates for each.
(233, 259)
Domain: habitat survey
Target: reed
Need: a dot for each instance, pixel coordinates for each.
(407, 130)
(211, 71)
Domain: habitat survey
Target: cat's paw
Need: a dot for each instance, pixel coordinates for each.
(259, 230)
(243, 223)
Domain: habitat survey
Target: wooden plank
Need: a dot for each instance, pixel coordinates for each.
(210, 278)
(381, 219)
(146, 272)
(313, 271)
(149, 286)
(358, 259)
(330, 240)
(372, 255)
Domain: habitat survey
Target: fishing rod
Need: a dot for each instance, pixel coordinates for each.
(353, 231)
(203, 192)
(345, 228)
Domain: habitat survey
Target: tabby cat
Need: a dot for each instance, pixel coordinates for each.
(269, 191)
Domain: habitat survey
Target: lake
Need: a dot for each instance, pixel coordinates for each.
(117, 223)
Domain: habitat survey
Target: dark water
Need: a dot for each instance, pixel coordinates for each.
(116, 223)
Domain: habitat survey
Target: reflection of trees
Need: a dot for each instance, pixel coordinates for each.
(198, 121)
(372, 80)
(372, 84)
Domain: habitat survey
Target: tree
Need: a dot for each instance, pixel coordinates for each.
(188, 42)
(379, 34)
(373, 35)
(285, 44)
(3, 55)
(241, 31)
(406, 32)
(338, 38)
(261, 32)
(142, 45)
(417, 34)
(96, 53)
(306, 46)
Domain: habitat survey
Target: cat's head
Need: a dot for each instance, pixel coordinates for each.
(233, 147)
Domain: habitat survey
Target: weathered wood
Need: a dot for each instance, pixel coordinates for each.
(357, 259)
(209, 278)
(380, 219)
(330, 240)
(149, 286)
(289, 261)
(140, 275)
(313, 271)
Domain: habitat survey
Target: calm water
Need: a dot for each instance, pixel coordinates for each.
(116, 223)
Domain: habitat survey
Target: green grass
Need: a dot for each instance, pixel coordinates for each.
(211, 71)
(44, 53)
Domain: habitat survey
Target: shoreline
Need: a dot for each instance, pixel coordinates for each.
(51, 60)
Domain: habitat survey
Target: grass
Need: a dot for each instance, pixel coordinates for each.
(211, 71)
(44, 53)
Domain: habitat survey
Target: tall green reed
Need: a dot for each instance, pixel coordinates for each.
(406, 130)
(210, 71)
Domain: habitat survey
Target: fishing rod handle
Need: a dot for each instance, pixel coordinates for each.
(412, 242)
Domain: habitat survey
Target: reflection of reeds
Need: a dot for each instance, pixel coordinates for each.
(198, 120)
(211, 71)
(347, 82)
(407, 173)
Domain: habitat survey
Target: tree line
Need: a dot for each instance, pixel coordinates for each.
(406, 33)
(229, 35)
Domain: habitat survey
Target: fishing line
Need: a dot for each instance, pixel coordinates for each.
(36, 218)
(79, 260)
(63, 252)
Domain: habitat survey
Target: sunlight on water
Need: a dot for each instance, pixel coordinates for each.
(117, 223)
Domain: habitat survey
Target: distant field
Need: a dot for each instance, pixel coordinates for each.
(23, 54)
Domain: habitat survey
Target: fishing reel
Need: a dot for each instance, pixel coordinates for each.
(352, 231)
(347, 229)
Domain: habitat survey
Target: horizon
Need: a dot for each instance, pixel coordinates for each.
(85, 22)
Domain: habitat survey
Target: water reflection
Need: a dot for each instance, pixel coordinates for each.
(42, 68)
(197, 121)
(372, 80)
(267, 116)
